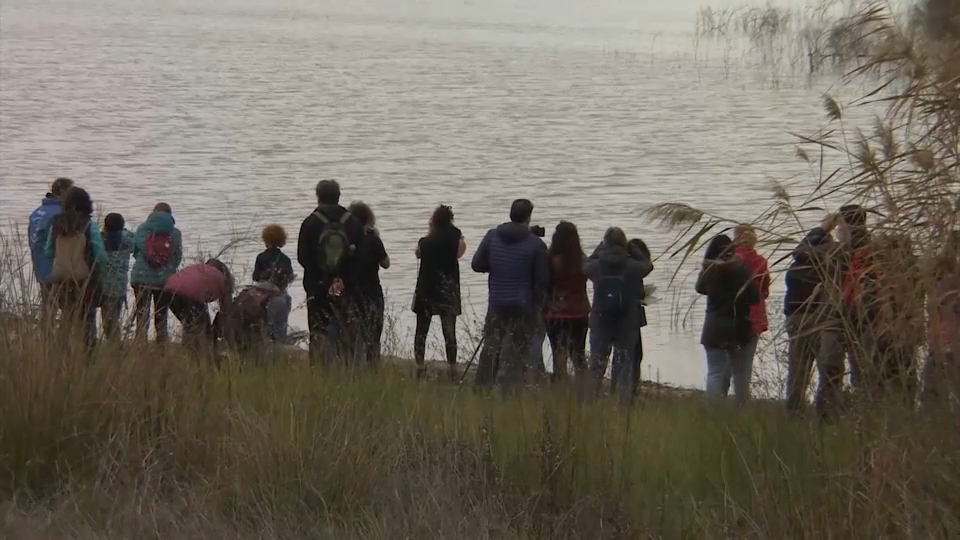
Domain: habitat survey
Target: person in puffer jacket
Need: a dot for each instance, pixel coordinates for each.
(518, 278)
(38, 230)
(149, 278)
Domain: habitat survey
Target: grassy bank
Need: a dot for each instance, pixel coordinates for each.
(149, 445)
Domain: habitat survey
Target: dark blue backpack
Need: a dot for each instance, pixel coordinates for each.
(610, 291)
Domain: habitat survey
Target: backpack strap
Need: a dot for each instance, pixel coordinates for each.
(345, 218)
(323, 219)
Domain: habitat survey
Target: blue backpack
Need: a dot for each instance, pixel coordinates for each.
(610, 291)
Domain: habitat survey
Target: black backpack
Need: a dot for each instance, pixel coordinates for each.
(610, 291)
(333, 246)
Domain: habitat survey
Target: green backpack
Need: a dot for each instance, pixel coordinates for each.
(333, 246)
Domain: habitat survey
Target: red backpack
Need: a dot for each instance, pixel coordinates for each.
(158, 249)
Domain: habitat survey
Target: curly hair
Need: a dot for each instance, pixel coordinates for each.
(442, 216)
(363, 213)
(274, 236)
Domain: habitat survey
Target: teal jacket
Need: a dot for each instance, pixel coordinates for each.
(116, 266)
(96, 245)
(143, 273)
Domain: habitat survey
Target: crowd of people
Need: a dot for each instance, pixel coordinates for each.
(835, 306)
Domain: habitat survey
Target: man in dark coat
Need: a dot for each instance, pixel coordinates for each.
(327, 282)
(518, 276)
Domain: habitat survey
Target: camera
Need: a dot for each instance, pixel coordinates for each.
(538, 231)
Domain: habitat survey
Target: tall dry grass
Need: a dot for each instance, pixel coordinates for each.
(139, 442)
(144, 444)
(904, 169)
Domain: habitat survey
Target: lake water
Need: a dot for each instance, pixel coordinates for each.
(232, 110)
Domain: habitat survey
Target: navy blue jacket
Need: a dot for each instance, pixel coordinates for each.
(516, 262)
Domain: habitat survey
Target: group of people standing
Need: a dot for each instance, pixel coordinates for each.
(855, 300)
(530, 286)
(81, 269)
(836, 304)
(866, 301)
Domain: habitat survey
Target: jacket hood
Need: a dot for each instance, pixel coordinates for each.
(50, 200)
(159, 222)
(513, 233)
(266, 286)
(817, 241)
(614, 254)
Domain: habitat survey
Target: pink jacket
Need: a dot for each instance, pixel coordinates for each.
(757, 266)
(198, 282)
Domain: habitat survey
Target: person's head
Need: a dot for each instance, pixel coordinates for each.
(566, 242)
(113, 223)
(216, 263)
(615, 237)
(853, 228)
(77, 200)
(60, 187)
(520, 211)
(720, 248)
(745, 235)
(363, 213)
(274, 236)
(853, 215)
(642, 246)
(442, 217)
(328, 192)
(163, 207)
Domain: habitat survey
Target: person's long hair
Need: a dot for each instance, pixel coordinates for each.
(77, 212)
(216, 263)
(720, 248)
(112, 232)
(642, 246)
(565, 245)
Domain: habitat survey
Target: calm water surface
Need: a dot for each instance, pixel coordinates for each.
(232, 110)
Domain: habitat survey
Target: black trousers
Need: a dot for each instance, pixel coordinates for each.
(143, 296)
(448, 324)
(568, 340)
(194, 317)
(368, 325)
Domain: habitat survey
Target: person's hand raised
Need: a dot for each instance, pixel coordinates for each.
(830, 222)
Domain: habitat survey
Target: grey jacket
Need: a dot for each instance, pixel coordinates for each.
(635, 267)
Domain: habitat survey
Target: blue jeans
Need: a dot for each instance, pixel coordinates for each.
(535, 360)
(278, 315)
(726, 364)
(623, 345)
(629, 363)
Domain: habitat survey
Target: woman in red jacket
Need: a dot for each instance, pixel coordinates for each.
(745, 239)
(567, 310)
